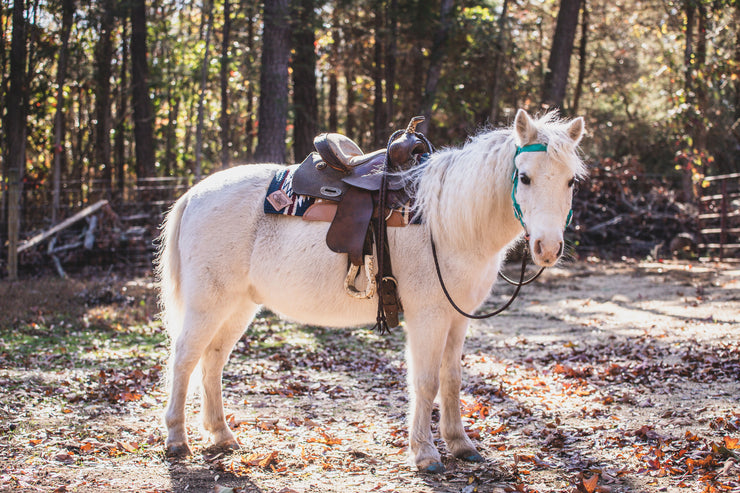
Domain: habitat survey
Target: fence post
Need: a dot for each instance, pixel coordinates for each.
(723, 220)
(14, 221)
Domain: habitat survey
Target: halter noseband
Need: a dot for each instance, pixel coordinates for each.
(515, 181)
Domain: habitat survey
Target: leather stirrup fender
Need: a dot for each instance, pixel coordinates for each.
(349, 227)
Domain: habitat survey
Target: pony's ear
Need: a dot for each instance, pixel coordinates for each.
(524, 127)
(576, 129)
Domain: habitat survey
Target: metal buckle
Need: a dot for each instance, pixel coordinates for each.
(391, 278)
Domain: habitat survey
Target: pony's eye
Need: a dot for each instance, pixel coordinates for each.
(525, 179)
(571, 182)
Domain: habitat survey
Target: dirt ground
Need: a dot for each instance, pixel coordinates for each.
(603, 377)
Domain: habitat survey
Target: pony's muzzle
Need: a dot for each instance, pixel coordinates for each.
(546, 253)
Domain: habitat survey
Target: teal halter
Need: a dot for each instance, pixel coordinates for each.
(515, 181)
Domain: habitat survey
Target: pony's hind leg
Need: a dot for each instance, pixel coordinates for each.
(186, 350)
(212, 363)
(425, 344)
(451, 425)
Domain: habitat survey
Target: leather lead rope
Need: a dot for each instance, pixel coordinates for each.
(521, 281)
(498, 310)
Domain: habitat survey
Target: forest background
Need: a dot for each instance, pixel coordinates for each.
(100, 96)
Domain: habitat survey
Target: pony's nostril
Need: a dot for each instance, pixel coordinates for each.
(538, 247)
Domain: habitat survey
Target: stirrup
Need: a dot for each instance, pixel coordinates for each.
(351, 279)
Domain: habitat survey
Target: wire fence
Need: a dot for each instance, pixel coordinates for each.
(121, 235)
(720, 216)
(117, 236)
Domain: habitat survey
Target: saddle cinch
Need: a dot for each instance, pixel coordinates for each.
(351, 189)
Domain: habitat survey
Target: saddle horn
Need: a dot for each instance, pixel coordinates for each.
(410, 142)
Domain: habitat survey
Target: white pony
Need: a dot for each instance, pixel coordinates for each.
(222, 257)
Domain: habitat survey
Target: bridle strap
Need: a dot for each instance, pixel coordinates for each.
(515, 179)
(515, 183)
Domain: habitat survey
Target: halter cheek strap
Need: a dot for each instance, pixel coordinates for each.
(515, 182)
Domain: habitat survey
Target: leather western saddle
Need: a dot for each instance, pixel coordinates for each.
(362, 186)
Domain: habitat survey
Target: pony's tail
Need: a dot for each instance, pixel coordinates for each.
(168, 268)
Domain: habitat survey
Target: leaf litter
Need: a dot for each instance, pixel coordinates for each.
(580, 388)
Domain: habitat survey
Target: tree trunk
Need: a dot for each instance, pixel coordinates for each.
(696, 95)
(15, 131)
(250, 133)
(558, 66)
(225, 74)
(33, 38)
(75, 171)
(737, 68)
(349, 80)
(379, 107)
(208, 16)
(119, 142)
(334, 67)
(436, 57)
(273, 105)
(582, 54)
(700, 128)
(191, 116)
(103, 58)
(420, 32)
(305, 102)
(68, 8)
(735, 128)
(3, 59)
(170, 133)
(249, 61)
(688, 54)
(502, 37)
(333, 96)
(391, 52)
(143, 113)
(690, 118)
(4, 22)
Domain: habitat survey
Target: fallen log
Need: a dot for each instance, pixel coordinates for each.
(62, 225)
(605, 224)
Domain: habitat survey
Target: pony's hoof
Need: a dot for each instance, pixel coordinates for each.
(471, 457)
(220, 450)
(228, 446)
(178, 450)
(434, 468)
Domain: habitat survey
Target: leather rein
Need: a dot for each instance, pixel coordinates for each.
(518, 214)
(506, 305)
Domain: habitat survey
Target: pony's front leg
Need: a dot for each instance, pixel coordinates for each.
(451, 425)
(425, 345)
(212, 365)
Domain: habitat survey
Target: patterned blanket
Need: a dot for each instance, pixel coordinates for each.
(280, 198)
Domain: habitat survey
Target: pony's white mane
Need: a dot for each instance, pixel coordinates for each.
(444, 186)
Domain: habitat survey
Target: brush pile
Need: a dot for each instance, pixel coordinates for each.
(620, 212)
